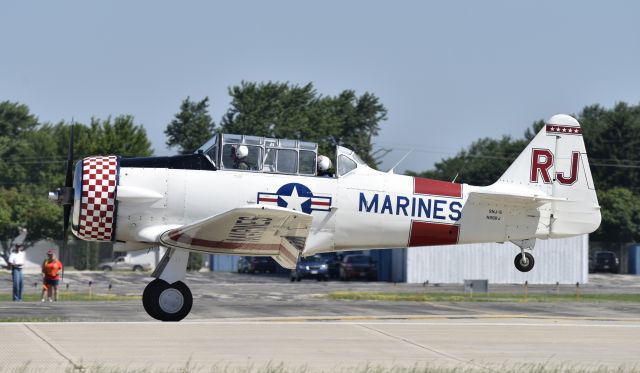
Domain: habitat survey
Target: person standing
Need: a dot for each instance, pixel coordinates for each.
(51, 268)
(16, 260)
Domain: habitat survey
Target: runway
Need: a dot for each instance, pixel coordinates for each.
(474, 343)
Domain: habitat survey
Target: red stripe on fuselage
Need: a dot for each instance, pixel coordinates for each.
(186, 239)
(430, 234)
(268, 199)
(436, 187)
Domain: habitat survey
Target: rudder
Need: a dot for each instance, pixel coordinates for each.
(555, 163)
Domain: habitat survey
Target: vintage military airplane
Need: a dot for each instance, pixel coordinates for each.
(276, 204)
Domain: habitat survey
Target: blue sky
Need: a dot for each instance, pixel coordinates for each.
(448, 72)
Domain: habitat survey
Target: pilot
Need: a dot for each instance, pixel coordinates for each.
(324, 164)
(239, 155)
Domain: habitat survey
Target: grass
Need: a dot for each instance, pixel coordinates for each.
(73, 296)
(481, 297)
(30, 319)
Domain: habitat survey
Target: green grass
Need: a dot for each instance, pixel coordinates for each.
(30, 319)
(73, 296)
(489, 297)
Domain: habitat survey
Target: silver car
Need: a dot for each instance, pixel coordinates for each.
(122, 264)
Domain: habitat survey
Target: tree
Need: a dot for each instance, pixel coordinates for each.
(195, 262)
(121, 137)
(482, 164)
(283, 110)
(620, 216)
(33, 161)
(16, 122)
(612, 140)
(191, 127)
(12, 207)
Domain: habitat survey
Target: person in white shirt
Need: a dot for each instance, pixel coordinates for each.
(16, 260)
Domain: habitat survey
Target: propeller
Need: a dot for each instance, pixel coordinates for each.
(67, 197)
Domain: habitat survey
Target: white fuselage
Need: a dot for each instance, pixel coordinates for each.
(363, 209)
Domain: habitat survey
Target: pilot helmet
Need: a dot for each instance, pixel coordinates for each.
(241, 152)
(324, 163)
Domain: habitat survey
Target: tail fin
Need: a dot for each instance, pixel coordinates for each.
(555, 164)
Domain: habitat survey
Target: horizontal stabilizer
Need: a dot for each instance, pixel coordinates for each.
(514, 198)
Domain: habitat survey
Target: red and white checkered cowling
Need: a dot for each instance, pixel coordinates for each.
(98, 198)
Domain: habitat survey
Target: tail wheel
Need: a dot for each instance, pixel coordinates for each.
(167, 302)
(524, 263)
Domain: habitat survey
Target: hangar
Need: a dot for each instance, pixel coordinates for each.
(564, 261)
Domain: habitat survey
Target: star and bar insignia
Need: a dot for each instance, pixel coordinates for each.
(297, 197)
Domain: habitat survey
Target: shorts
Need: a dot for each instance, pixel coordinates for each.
(50, 282)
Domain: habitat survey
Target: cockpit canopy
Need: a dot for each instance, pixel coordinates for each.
(265, 154)
(272, 155)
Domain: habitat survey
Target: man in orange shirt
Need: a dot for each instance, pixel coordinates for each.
(51, 268)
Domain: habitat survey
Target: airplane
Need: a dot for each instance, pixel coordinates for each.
(275, 204)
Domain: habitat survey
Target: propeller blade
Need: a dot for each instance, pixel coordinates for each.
(67, 200)
(69, 179)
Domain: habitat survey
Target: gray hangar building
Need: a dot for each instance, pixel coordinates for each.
(563, 261)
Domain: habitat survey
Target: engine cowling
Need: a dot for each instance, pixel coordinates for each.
(94, 209)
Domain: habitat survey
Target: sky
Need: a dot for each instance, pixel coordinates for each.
(449, 72)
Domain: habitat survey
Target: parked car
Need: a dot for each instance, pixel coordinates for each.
(358, 266)
(333, 262)
(123, 263)
(605, 261)
(256, 264)
(315, 266)
(243, 265)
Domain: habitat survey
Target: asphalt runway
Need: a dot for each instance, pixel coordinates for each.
(473, 344)
(249, 322)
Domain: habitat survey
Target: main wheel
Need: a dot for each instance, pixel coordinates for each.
(150, 292)
(169, 302)
(524, 264)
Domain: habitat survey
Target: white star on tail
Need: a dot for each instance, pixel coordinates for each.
(294, 201)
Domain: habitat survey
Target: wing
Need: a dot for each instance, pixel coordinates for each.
(251, 230)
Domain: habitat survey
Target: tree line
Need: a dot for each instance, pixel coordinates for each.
(612, 140)
(33, 154)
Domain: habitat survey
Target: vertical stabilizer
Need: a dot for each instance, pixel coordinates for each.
(555, 164)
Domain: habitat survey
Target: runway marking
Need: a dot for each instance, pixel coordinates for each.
(425, 317)
(58, 350)
(336, 322)
(427, 348)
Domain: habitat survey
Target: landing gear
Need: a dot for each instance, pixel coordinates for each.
(167, 302)
(524, 262)
(167, 298)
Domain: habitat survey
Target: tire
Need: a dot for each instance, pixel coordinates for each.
(150, 292)
(171, 302)
(107, 268)
(137, 269)
(524, 267)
